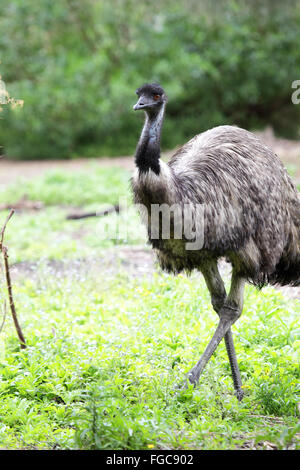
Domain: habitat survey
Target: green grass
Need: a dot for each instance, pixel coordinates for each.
(47, 234)
(107, 349)
(104, 356)
(95, 186)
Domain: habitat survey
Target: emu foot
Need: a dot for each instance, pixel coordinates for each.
(185, 384)
(193, 377)
(180, 386)
(239, 394)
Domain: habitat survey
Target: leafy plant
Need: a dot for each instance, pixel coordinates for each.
(234, 64)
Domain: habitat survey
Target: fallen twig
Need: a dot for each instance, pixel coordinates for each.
(84, 215)
(8, 283)
(267, 418)
(22, 204)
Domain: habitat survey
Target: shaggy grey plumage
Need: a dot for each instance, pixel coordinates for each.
(251, 212)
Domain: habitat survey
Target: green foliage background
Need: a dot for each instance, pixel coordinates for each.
(76, 64)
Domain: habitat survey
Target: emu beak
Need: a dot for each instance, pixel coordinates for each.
(142, 103)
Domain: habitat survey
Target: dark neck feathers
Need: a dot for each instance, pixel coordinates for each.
(148, 150)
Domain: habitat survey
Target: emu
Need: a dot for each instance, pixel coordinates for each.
(251, 213)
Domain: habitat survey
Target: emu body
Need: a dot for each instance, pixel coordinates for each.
(251, 213)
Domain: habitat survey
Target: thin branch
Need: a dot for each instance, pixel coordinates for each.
(4, 316)
(4, 227)
(8, 283)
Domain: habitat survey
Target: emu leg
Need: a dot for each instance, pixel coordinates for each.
(217, 290)
(228, 310)
(235, 371)
(227, 317)
(236, 297)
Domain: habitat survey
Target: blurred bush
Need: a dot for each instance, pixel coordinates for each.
(77, 63)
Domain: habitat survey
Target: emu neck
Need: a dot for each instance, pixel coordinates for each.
(148, 150)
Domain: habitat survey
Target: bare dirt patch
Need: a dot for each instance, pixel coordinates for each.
(287, 150)
(135, 261)
(10, 170)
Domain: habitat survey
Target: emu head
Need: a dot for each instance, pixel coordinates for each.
(151, 98)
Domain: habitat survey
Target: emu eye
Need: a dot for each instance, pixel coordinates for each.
(156, 97)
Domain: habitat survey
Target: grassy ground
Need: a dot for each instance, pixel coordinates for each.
(107, 345)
